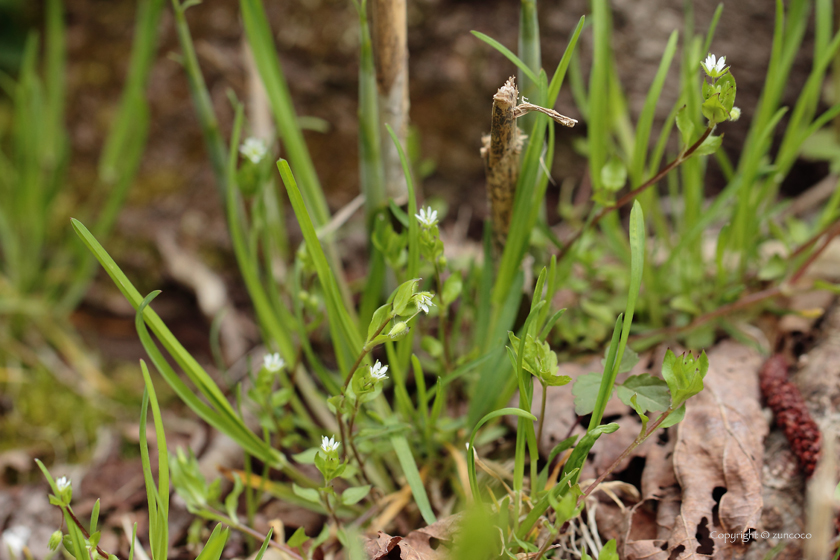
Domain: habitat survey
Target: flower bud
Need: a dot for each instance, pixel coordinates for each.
(398, 330)
(55, 540)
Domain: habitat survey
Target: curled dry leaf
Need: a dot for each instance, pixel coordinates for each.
(430, 543)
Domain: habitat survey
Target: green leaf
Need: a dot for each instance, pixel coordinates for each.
(581, 451)
(538, 359)
(634, 402)
(643, 127)
(714, 110)
(684, 375)
(261, 40)
(354, 494)
(686, 126)
(585, 391)
(727, 91)
(345, 336)
(709, 146)
(452, 288)
(298, 538)
(565, 508)
(379, 316)
(555, 380)
(651, 392)
(403, 294)
(628, 361)
(215, 544)
(264, 545)
(432, 345)
(471, 448)
(412, 475)
(608, 552)
(221, 415)
(773, 268)
(309, 494)
(684, 303)
(637, 263)
(232, 499)
(306, 457)
(614, 174)
(673, 418)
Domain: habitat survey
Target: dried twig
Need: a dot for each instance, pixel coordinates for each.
(500, 151)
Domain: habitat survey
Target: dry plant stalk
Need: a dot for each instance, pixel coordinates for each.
(390, 51)
(791, 413)
(820, 509)
(501, 150)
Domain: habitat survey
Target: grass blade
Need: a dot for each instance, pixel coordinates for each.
(345, 336)
(412, 476)
(509, 55)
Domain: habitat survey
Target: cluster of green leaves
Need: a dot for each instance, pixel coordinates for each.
(691, 283)
(532, 358)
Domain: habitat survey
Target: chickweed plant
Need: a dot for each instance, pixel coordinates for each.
(383, 396)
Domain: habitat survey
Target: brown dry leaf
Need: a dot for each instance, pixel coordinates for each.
(718, 458)
(707, 480)
(381, 546)
(430, 543)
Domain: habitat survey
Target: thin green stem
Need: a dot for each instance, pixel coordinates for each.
(443, 318)
(638, 441)
(365, 351)
(630, 196)
(81, 527)
(352, 443)
(542, 412)
(330, 509)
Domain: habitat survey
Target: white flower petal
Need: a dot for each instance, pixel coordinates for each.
(427, 217)
(273, 362)
(254, 149)
(15, 539)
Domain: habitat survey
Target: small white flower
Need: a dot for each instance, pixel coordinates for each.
(427, 217)
(377, 371)
(328, 445)
(423, 303)
(63, 483)
(734, 114)
(15, 539)
(253, 149)
(273, 362)
(714, 66)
